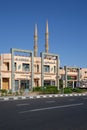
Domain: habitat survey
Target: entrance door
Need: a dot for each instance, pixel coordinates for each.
(70, 84)
(36, 82)
(24, 84)
(5, 83)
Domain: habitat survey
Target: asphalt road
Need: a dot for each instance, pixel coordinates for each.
(65, 113)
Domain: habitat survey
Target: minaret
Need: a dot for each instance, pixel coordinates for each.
(46, 38)
(35, 41)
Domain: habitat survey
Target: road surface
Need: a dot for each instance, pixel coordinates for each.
(64, 113)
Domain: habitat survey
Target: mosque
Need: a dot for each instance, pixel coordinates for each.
(21, 69)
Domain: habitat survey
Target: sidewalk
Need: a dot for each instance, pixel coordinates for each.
(35, 95)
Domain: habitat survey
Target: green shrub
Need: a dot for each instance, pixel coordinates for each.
(16, 93)
(46, 89)
(68, 90)
(3, 91)
(37, 89)
(50, 90)
(10, 91)
(78, 90)
(21, 91)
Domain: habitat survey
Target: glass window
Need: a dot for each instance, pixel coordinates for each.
(46, 68)
(24, 84)
(53, 83)
(47, 83)
(16, 85)
(25, 67)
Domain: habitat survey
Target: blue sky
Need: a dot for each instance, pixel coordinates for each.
(67, 27)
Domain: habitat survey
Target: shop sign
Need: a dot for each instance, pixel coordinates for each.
(48, 62)
(22, 59)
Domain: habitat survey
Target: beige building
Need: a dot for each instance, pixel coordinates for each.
(21, 69)
(23, 73)
(84, 77)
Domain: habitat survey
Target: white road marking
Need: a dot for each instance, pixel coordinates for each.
(66, 95)
(23, 97)
(15, 98)
(31, 97)
(24, 104)
(50, 101)
(38, 96)
(83, 94)
(71, 94)
(80, 94)
(55, 95)
(6, 99)
(71, 99)
(50, 96)
(75, 95)
(44, 96)
(61, 95)
(50, 108)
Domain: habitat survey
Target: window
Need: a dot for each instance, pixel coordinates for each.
(16, 85)
(54, 69)
(61, 68)
(7, 65)
(37, 68)
(46, 68)
(25, 67)
(15, 66)
(24, 84)
(47, 82)
(53, 83)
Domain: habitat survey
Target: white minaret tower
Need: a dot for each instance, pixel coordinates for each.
(47, 38)
(35, 41)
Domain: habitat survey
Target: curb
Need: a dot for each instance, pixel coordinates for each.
(39, 96)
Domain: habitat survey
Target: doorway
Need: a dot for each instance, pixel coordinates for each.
(5, 83)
